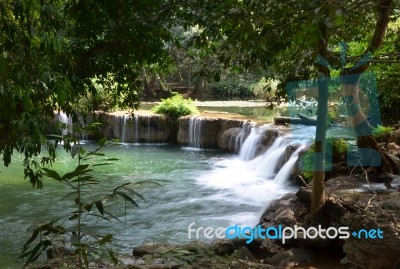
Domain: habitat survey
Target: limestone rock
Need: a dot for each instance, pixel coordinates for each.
(207, 132)
(268, 137)
(244, 253)
(374, 253)
(226, 124)
(286, 211)
(223, 247)
(294, 256)
(149, 128)
(227, 139)
(148, 249)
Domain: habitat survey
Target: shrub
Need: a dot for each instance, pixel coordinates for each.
(381, 131)
(231, 89)
(335, 152)
(175, 107)
(265, 89)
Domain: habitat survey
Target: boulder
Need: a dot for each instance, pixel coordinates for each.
(226, 124)
(268, 137)
(286, 211)
(227, 140)
(378, 253)
(291, 257)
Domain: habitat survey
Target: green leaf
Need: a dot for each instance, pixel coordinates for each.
(85, 179)
(107, 238)
(80, 170)
(52, 174)
(102, 141)
(112, 257)
(88, 207)
(74, 216)
(100, 216)
(100, 207)
(101, 164)
(69, 194)
(339, 20)
(135, 193)
(127, 198)
(111, 215)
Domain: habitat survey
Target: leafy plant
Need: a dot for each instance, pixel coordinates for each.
(265, 89)
(175, 107)
(82, 181)
(336, 150)
(381, 131)
(231, 89)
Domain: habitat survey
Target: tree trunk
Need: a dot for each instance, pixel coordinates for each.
(365, 140)
(199, 87)
(318, 194)
(293, 120)
(351, 89)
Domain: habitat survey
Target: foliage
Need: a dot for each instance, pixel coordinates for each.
(382, 131)
(175, 107)
(83, 184)
(265, 89)
(52, 50)
(231, 89)
(336, 149)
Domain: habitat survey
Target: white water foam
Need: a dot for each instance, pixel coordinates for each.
(256, 182)
(195, 125)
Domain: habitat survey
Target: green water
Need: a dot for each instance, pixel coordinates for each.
(191, 191)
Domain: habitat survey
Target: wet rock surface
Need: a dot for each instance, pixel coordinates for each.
(228, 139)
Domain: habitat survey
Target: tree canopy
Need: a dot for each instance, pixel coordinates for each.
(52, 51)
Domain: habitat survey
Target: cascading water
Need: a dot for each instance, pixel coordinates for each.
(195, 132)
(245, 180)
(287, 168)
(248, 150)
(266, 165)
(246, 129)
(83, 125)
(67, 121)
(123, 131)
(136, 138)
(148, 128)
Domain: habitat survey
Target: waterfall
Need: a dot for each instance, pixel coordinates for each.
(287, 168)
(123, 133)
(249, 147)
(195, 132)
(266, 165)
(67, 122)
(83, 125)
(246, 129)
(136, 139)
(148, 128)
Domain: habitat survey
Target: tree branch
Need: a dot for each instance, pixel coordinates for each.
(384, 7)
